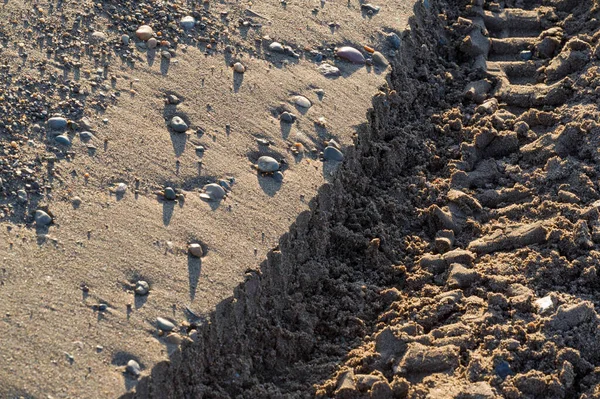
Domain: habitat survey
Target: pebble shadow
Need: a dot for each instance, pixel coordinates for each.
(285, 129)
(164, 65)
(329, 170)
(151, 56)
(194, 269)
(168, 208)
(238, 79)
(120, 359)
(268, 185)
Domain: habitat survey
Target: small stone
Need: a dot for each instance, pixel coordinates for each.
(125, 39)
(98, 37)
(133, 368)
(142, 287)
(239, 67)
(213, 192)
(302, 101)
(63, 140)
(394, 40)
(263, 142)
(42, 218)
(370, 7)
(164, 324)
(545, 304)
(276, 47)
(196, 250)
(174, 339)
(188, 22)
(332, 154)
(166, 55)
(178, 124)
(144, 32)
(379, 59)
(152, 43)
(170, 194)
(526, 55)
(57, 123)
(85, 136)
(329, 70)
(200, 148)
(22, 195)
(278, 176)
(173, 99)
(350, 54)
(76, 202)
(267, 164)
(287, 117)
(121, 188)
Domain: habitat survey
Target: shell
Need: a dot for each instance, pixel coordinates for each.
(350, 54)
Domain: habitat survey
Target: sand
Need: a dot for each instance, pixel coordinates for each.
(56, 342)
(452, 255)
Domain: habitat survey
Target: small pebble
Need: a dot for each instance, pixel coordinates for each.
(178, 124)
(196, 250)
(276, 47)
(22, 195)
(42, 218)
(379, 59)
(213, 192)
(302, 101)
(170, 194)
(133, 368)
(332, 154)
(239, 67)
(85, 136)
(278, 176)
(121, 188)
(287, 117)
(125, 39)
(144, 32)
(152, 43)
(188, 22)
(394, 40)
(57, 123)
(329, 70)
(142, 287)
(63, 140)
(267, 164)
(98, 37)
(173, 99)
(164, 324)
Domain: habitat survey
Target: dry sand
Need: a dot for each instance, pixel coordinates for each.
(452, 255)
